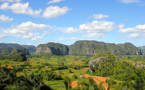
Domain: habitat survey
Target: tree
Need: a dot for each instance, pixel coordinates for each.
(18, 56)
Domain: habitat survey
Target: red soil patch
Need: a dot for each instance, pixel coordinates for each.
(86, 76)
(105, 85)
(97, 79)
(102, 79)
(10, 67)
(74, 84)
(86, 68)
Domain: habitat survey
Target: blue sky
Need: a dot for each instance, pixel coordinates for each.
(66, 21)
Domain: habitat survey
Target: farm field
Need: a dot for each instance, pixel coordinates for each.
(72, 73)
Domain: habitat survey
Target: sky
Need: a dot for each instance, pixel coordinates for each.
(34, 22)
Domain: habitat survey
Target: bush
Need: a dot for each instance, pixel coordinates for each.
(123, 74)
(18, 56)
(9, 80)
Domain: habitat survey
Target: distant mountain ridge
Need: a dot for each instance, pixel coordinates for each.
(52, 48)
(8, 48)
(82, 47)
(31, 48)
(7, 45)
(86, 47)
(142, 49)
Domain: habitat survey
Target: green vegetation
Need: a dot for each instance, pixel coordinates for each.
(86, 48)
(9, 81)
(123, 75)
(52, 48)
(57, 72)
(54, 69)
(13, 52)
(142, 49)
(30, 48)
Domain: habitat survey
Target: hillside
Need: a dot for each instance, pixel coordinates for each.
(52, 48)
(14, 52)
(142, 48)
(86, 47)
(80, 48)
(31, 48)
(7, 48)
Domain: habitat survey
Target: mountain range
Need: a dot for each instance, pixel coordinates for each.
(80, 48)
(87, 48)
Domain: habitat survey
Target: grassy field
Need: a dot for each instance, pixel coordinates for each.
(58, 72)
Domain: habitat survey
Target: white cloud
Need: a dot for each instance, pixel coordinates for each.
(2, 35)
(143, 35)
(137, 28)
(33, 36)
(4, 18)
(134, 35)
(100, 16)
(20, 8)
(68, 39)
(97, 26)
(94, 35)
(130, 1)
(94, 26)
(10, 0)
(54, 11)
(54, 1)
(92, 29)
(28, 30)
(70, 30)
(121, 26)
(135, 32)
(4, 6)
(24, 8)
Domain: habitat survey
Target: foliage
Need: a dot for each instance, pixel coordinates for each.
(52, 48)
(89, 84)
(57, 72)
(85, 48)
(13, 51)
(30, 48)
(122, 74)
(9, 80)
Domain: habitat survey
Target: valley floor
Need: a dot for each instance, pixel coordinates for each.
(69, 72)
